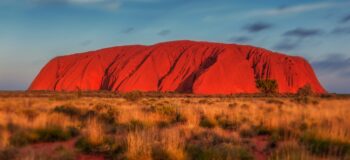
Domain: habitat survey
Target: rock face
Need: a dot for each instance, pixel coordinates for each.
(181, 66)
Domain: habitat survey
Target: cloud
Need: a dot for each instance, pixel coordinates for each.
(341, 30)
(345, 19)
(297, 9)
(303, 33)
(241, 39)
(257, 27)
(333, 62)
(294, 38)
(128, 30)
(334, 72)
(164, 32)
(287, 44)
(104, 4)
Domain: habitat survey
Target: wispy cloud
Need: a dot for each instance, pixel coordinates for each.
(128, 30)
(293, 39)
(287, 44)
(277, 11)
(345, 19)
(104, 4)
(257, 27)
(333, 62)
(285, 10)
(164, 32)
(341, 30)
(241, 39)
(303, 32)
(334, 72)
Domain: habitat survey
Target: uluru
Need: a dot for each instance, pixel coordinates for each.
(177, 66)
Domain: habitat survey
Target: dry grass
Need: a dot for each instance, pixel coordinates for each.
(180, 128)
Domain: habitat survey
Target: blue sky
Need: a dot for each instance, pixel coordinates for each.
(34, 31)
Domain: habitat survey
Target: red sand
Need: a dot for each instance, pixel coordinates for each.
(181, 66)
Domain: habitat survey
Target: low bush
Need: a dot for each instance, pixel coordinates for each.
(267, 86)
(55, 133)
(225, 123)
(306, 90)
(49, 134)
(107, 117)
(133, 96)
(21, 137)
(110, 148)
(323, 146)
(207, 122)
(68, 109)
(208, 145)
(262, 130)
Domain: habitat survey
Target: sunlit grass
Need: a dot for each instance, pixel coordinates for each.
(179, 127)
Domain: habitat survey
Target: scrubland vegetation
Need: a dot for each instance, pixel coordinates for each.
(135, 127)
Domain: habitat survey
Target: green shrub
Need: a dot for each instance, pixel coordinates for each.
(207, 122)
(23, 137)
(110, 148)
(322, 146)
(107, 117)
(306, 90)
(225, 123)
(267, 86)
(68, 109)
(262, 130)
(55, 133)
(208, 146)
